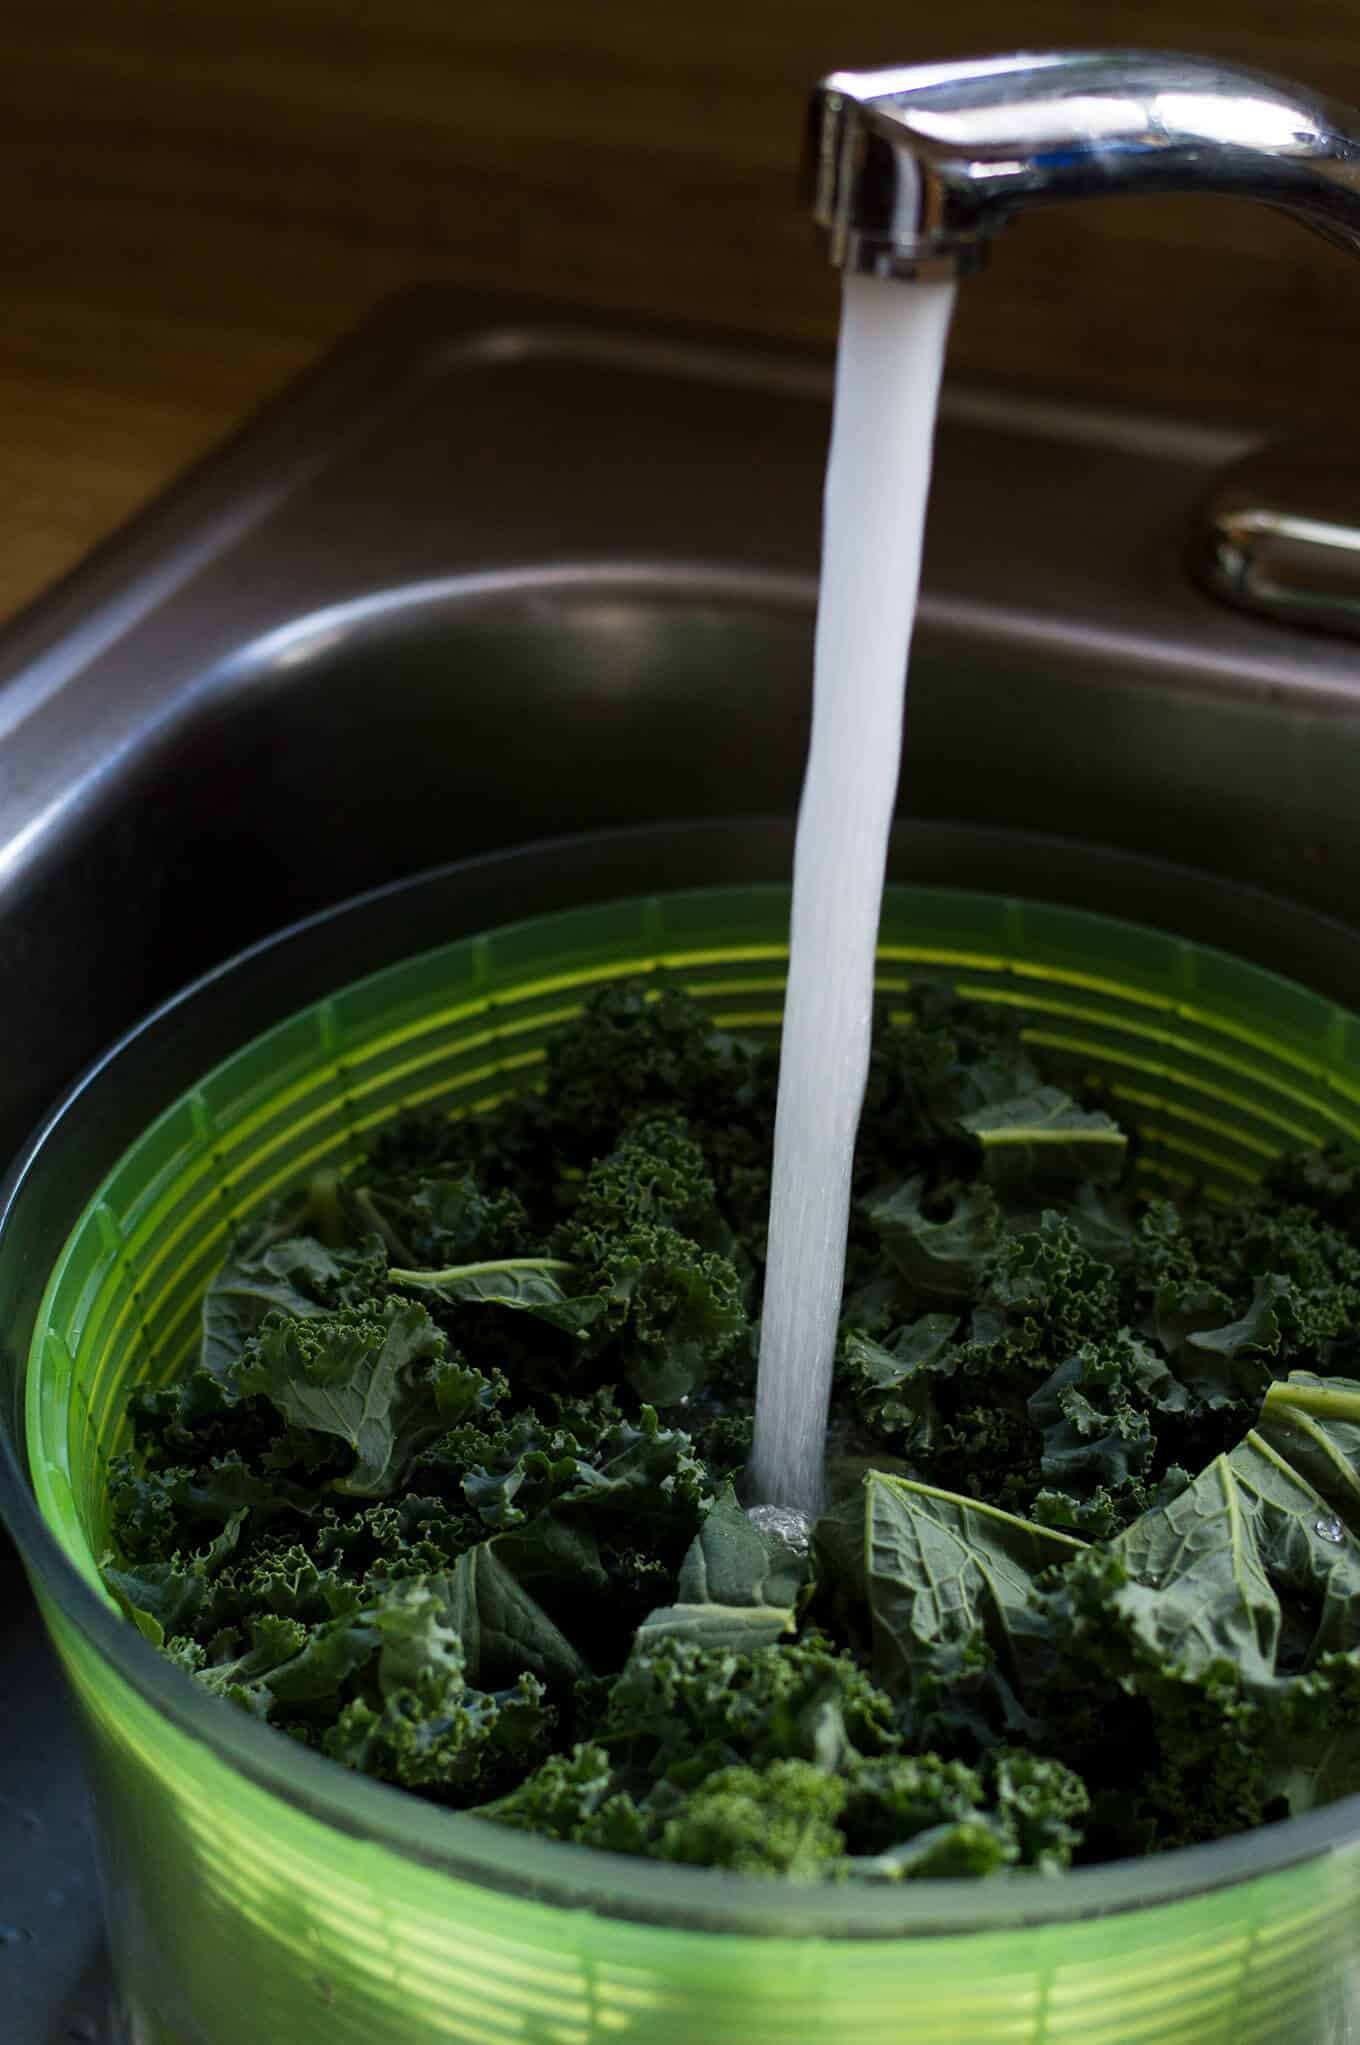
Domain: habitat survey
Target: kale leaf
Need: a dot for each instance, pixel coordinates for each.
(1045, 1136)
(946, 1584)
(360, 1374)
(451, 1490)
(738, 1584)
(296, 1274)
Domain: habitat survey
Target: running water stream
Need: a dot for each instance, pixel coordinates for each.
(888, 367)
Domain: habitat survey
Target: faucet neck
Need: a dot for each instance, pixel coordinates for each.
(912, 171)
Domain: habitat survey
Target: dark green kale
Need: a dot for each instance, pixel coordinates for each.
(786, 1760)
(452, 1491)
(647, 1242)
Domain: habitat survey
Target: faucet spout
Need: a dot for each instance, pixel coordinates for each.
(912, 171)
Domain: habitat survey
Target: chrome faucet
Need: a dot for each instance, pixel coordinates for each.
(912, 171)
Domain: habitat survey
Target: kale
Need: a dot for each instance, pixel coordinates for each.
(359, 1374)
(777, 1821)
(738, 1585)
(945, 1586)
(573, 1796)
(648, 1240)
(451, 1490)
(787, 1761)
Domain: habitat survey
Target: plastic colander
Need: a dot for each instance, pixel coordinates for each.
(260, 1895)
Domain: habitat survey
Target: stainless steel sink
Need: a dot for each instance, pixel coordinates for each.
(499, 572)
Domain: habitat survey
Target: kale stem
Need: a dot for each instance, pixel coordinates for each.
(368, 1210)
(1321, 1400)
(324, 1210)
(452, 1272)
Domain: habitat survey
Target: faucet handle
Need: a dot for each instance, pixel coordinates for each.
(912, 171)
(1278, 534)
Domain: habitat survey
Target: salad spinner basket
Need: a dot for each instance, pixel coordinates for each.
(260, 1895)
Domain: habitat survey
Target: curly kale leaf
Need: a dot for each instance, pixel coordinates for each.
(591, 1510)
(947, 1585)
(281, 1580)
(365, 1375)
(1096, 1415)
(387, 1683)
(950, 1061)
(940, 1246)
(1324, 1183)
(160, 1509)
(297, 1275)
(738, 1584)
(1045, 1294)
(501, 1626)
(781, 1820)
(591, 1460)
(418, 1721)
(163, 1598)
(1041, 1401)
(640, 1050)
(1176, 1754)
(531, 1285)
(672, 1312)
(1252, 1564)
(780, 1787)
(435, 1216)
(1041, 1803)
(656, 1176)
(679, 1709)
(574, 1796)
(1044, 1136)
(665, 1301)
(716, 1756)
(918, 1816)
(1224, 1360)
(284, 1665)
(1235, 1291)
(896, 1799)
(1203, 1662)
(882, 1818)
(642, 1275)
(895, 1383)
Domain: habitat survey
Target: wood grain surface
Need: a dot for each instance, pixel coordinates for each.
(200, 197)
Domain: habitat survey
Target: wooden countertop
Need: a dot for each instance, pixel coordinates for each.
(202, 200)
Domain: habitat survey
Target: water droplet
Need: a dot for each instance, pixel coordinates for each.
(1330, 1530)
(793, 1528)
(14, 1935)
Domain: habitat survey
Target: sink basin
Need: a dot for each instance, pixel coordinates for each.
(499, 572)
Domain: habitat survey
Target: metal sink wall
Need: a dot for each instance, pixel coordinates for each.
(496, 573)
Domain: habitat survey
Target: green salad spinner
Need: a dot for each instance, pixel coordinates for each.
(258, 1894)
